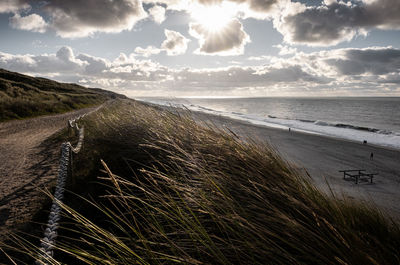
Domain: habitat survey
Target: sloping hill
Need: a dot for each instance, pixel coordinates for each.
(23, 96)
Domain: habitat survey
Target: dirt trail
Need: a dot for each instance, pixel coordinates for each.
(28, 164)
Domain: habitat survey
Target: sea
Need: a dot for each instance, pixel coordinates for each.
(372, 119)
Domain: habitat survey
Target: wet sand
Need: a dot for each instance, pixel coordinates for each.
(323, 157)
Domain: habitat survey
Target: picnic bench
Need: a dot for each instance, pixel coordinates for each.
(358, 174)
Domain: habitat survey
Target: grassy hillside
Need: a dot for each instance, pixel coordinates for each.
(174, 191)
(23, 96)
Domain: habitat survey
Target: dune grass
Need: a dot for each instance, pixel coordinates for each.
(171, 190)
(23, 96)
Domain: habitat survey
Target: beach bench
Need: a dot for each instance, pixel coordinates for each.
(367, 175)
(357, 174)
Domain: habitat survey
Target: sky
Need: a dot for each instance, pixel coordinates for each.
(208, 48)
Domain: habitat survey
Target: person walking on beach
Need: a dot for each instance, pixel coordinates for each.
(371, 157)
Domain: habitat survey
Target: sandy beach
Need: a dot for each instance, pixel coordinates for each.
(323, 157)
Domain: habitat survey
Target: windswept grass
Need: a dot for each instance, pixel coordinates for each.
(175, 191)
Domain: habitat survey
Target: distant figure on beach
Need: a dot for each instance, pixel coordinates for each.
(371, 157)
(289, 129)
(365, 142)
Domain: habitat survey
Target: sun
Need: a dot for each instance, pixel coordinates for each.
(213, 17)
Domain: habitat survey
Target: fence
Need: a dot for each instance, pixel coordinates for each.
(50, 233)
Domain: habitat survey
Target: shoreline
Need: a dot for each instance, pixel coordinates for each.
(301, 131)
(277, 127)
(346, 133)
(322, 157)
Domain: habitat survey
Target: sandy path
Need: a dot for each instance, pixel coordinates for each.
(27, 164)
(323, 157)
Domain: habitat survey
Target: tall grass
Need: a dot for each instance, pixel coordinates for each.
(23, 96)
(176, 191)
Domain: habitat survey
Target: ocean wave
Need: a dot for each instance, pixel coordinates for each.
(207, 109)
(353, 127)
(303, 120)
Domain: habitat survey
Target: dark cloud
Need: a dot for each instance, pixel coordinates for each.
(94, 65)
(390, 79)
(80, 18)
(209, 2)
(338, 21)
(290, 73)
(259, 5)
(376, 61)
(255, 5)
(229, 40)
(376, 55)
(257, 8)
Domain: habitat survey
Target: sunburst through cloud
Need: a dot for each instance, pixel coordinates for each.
(214, 17)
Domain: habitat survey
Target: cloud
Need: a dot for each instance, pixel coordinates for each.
(80, 18)
(31, 22)
(39, 44)
(335, 22)
(148, 51)
(260, 5)
(63, 62)
(375, 61)
(65, 54)
(373, 70)
(13, 6)
(329, 23)
(289, 73)
(247, 8)
(175, 43)
(93, 65)
(285, 50)
(390, 79)
(66, 66)
(230, 40)
(237, 76)
(128, 73)
(261, 9)
(260, 58)
(157, 13)
(369, 70)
